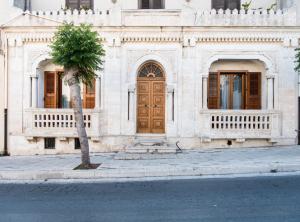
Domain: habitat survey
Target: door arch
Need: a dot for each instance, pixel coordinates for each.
(151, 99)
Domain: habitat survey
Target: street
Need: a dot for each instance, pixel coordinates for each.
(260, 199)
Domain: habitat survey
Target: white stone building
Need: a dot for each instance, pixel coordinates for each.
(177, 69)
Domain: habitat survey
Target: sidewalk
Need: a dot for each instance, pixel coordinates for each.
(212, 162)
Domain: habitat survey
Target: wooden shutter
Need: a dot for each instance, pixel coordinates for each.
(213, 91)
(233, 4)
(218, 4)
(144, 4)
(253, 91)
(89, 96)
(157, 4)
(78, 4)
(86, 4)
(50, 90)
(72, 4)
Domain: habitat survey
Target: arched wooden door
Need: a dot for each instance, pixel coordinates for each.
(151, 99)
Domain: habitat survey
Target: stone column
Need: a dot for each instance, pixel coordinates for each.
(170, 100)
(131, 102)
(34, 91)
(270, 87)
(98, 92)
(204, 92)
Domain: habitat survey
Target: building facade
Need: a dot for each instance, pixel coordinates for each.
(205, 73)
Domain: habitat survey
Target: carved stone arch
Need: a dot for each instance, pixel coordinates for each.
(151, 69)
(269, 65)
(38, 60)
(165, 65)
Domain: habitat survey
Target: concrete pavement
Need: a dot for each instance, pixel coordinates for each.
(211, 162)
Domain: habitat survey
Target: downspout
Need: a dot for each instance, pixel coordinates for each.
(298, 108)
(5, 96)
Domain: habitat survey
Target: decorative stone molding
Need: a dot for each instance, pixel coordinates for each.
(156, 38)
(236, 38)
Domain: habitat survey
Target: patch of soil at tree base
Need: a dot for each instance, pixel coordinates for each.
(91, 166)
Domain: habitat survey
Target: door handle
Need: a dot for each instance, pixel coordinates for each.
(155, 106)
(146, 106)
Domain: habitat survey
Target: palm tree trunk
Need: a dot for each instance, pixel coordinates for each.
(77, 107)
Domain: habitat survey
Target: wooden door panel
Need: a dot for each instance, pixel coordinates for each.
(158, 112)
(143, 112)
(144, 87)
(158, 107)
(151, 106)
(158, 87)
(143, 107)
(158, 100)
(143, 99)
(158, 125)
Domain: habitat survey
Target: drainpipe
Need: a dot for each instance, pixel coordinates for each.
(5, 96)
(298, 108)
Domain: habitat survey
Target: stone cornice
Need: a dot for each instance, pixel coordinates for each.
(189, 39)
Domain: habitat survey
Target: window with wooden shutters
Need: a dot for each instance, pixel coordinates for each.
(80, 4)
(226, 4)
(213, 91)
(89, 96)
(234, 90)
(52, 90)
(253, 94)
(151, 4)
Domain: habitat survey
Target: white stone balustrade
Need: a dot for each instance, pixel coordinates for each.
(60, 122)
(118, 17)
(240, 124)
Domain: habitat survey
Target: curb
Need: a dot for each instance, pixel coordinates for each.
(200, 171)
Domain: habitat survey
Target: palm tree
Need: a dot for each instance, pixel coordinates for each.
(79, 50)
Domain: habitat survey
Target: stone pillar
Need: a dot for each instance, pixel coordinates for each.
(204, 92)
(98, 92)
(131, 102)
(270, 83)
(170, 103)
(34, 91)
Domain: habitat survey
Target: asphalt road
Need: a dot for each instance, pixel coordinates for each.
(274, 199)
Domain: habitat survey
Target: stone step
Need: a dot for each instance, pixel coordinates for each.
(150, 141)
(143, 156)
(151, 150)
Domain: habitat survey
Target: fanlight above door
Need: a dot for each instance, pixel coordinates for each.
(151, 70)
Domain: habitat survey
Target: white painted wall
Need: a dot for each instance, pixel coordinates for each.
(7, 11)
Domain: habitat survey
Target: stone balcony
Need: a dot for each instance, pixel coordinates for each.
(60, 123)
(183, 17)
(240, 124)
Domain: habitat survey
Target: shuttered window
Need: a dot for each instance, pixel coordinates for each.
(234, 90)
(89, 96)
(80, 4)
(151, 4)
(213, 91)
(226, 4)
(253, 95)
(52, 90)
